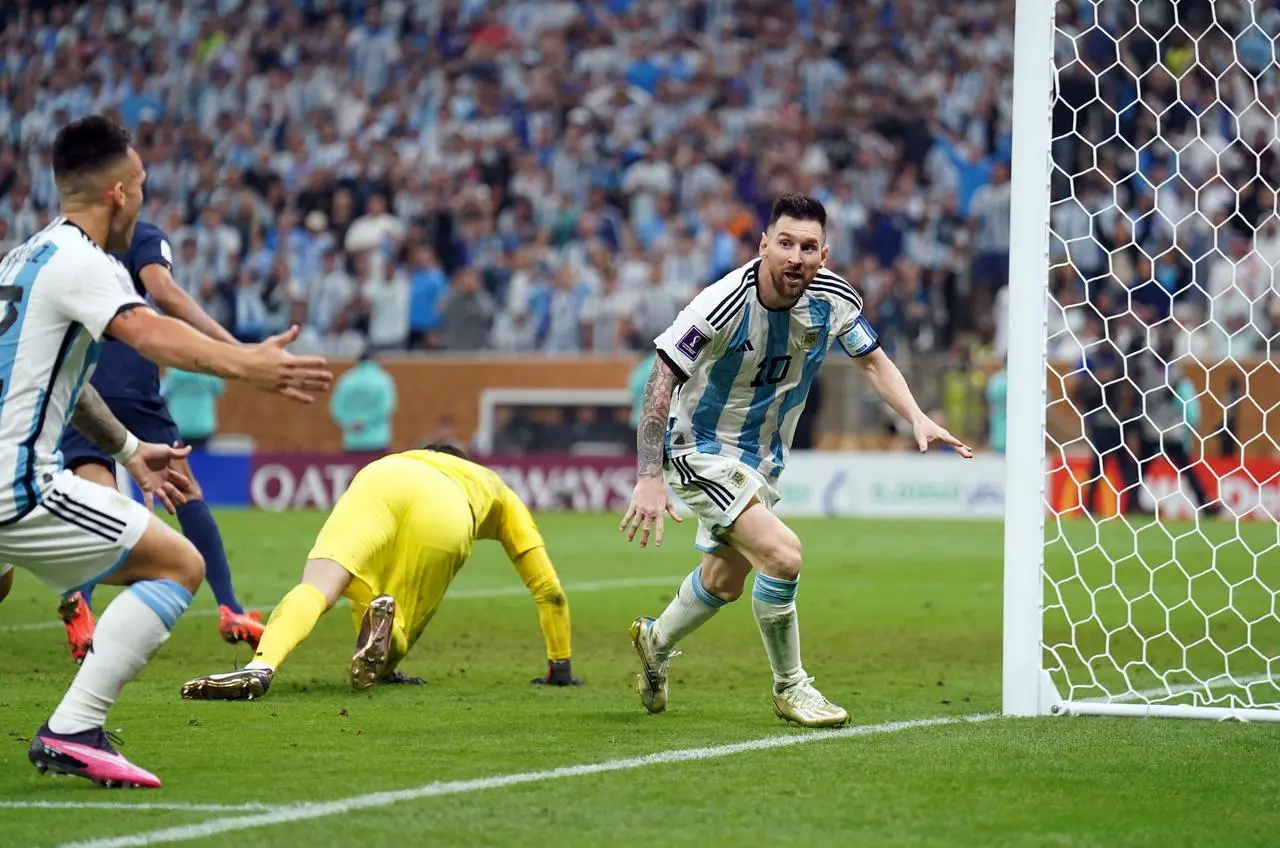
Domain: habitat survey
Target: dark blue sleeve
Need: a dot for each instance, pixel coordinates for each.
(861, 338)
(150, 246)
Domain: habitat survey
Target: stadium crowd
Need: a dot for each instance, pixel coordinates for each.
(560, 176)
(553, 176)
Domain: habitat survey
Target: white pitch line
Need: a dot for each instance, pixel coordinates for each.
(461, 594)
(570, 588)
(54, 624)
(305, 812)
(124, 805)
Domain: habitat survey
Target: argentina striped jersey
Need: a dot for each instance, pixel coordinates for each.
(746, 369)
(58, 293)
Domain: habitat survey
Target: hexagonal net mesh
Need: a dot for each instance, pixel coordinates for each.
(1162, 565)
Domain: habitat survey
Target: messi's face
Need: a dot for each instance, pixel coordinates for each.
(126, 200)
(793, 252)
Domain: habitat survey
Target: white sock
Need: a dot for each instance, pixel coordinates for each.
(130, 630)
(692, 607)
(258, 665)
(773, 600)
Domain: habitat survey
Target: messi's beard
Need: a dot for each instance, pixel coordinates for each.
(781, 288)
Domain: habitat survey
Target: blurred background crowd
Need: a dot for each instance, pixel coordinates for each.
(561, 177)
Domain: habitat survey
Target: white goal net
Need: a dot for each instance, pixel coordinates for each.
(1157, 453)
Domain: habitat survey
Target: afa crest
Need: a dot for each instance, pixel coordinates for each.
(738, 479)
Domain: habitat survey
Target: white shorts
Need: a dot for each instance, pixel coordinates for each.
(80, 533)
(716, 489)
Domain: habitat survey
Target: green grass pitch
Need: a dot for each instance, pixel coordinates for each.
(901, 621)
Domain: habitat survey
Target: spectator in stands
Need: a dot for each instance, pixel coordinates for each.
(330, 294)
(998, 409)
(561, 315)
(364, 399)
(427, 285)
(658, 304)
(386, 295)
(606, 316)
(193, 403)
(1163, 425)
(990, 211)
(1106, 405)
(466, 313)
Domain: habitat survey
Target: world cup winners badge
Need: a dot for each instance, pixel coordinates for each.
(810, 340)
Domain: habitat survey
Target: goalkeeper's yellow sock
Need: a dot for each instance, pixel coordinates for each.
(553, 607)
(291, 621)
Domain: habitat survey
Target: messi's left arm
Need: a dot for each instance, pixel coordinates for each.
(892, 388)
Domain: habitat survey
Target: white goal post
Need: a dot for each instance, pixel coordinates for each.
(1142, 548)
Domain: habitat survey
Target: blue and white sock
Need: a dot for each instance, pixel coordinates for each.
(692, 607)
(773, 600)
(130, 630)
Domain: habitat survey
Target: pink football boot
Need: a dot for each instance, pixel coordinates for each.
(87, 754)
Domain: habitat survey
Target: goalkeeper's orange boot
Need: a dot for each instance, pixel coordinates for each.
(79, 621)
(244, 626)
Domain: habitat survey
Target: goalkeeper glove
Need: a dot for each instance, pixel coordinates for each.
(559, 673)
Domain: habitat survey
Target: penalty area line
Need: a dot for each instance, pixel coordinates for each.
(309, 811)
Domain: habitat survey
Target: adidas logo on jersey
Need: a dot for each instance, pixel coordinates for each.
(744, 347)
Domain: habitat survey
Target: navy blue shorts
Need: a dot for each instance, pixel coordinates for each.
(149, 420)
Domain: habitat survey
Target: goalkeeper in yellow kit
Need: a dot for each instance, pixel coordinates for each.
(392, 545)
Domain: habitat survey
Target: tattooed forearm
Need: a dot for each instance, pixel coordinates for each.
(92, 418)
(653, 418)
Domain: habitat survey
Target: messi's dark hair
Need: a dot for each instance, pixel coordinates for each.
(88, 145)
(798, 206)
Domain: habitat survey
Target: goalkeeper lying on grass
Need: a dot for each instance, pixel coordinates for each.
(392, 545)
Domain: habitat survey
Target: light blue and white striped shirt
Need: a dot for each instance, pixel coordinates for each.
(746, 368)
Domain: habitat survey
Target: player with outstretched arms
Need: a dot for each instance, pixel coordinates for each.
(719, 411)
(62, 294)
(129, 383)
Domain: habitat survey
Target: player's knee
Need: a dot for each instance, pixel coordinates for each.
(782, 556)
(188, 565)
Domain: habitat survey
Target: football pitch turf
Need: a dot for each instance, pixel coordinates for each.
(900, 623)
